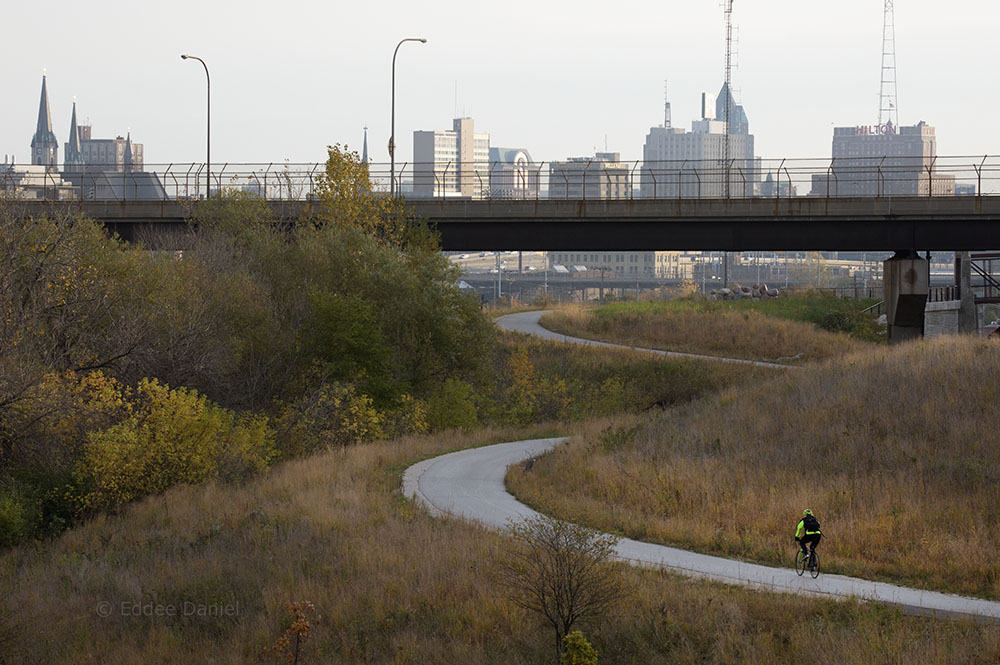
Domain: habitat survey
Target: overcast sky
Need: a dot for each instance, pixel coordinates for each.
(558, 78)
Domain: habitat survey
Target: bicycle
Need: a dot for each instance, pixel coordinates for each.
(808, 561)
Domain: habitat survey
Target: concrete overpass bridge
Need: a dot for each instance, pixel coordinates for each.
(904, 225)
(954, 223)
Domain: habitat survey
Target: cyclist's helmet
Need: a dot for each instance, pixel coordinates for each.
(806, 512)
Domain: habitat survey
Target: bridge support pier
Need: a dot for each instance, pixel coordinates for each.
(967, 315)
(907, 283)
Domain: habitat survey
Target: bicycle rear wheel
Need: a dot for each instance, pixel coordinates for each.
(800, 563)
(814, 570)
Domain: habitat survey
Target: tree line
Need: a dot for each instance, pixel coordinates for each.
(124, 370)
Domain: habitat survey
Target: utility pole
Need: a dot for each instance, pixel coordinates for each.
(725, 138)
(728, 95)
(499, 290)
(545, 262)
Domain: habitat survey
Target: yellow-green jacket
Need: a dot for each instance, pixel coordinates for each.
(801, 528)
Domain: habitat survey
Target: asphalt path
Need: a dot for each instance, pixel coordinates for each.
(470, 484)
(527, 322)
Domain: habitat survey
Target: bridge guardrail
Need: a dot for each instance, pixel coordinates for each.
(578, 180)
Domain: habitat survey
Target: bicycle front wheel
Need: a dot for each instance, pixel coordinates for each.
(814, 570)
(800, 563)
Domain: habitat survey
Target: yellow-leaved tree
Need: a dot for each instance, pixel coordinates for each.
(348, 197)
(173, 436)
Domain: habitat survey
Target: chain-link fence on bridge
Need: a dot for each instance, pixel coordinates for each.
(578, 179)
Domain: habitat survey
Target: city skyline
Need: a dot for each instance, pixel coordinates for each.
(556, 83)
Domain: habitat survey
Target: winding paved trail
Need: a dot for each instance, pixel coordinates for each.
(527, 322)
(470, 484)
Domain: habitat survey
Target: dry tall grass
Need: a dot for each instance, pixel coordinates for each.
(571, 383)
(390, 585)
(897, 450)
(737, 334)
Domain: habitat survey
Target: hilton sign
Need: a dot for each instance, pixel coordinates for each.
(874, 130)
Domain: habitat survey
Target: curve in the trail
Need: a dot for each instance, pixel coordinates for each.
(527, 322)
(470, 484)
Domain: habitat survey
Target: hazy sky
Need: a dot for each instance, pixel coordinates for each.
(557, 78)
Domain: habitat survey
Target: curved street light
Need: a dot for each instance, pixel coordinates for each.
(392, 135)
(208, 131)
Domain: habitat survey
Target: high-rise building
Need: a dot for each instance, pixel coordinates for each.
(44, 146)
(451, 163)
(118, 155)
(603, 176)
(513, 175)
(777, 188)
(883, 160)
(678, 163)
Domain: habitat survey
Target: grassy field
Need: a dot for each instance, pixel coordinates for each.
(896, 450)
(390, 585)
(756, 330)
(566, 382)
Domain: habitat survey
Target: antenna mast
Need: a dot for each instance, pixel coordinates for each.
(887, 96)
(728, 101)
(666, 106)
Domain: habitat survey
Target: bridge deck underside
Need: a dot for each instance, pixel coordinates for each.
(727, 235)
(793, 224)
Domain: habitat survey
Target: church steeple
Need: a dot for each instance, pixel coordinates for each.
(44, 146)
(364, 150)
(73, 156)
(128, 152)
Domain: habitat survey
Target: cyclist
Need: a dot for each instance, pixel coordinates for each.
(807, 534)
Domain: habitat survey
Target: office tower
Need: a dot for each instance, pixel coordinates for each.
(692, 164)
(451, 163)
(513, 175)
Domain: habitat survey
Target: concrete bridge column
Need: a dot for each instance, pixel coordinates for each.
(967, 314)
(907, 283)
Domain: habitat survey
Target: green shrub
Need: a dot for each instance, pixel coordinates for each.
(14, 523)
(453, 406)
(334, 415)
(342, 336)
(855, 323)
(407, 416)
(578, 650)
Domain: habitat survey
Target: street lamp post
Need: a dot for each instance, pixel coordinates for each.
(392, 134)
(208, 131)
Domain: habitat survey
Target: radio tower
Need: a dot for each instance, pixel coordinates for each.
(887, 96)
(727, 101)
